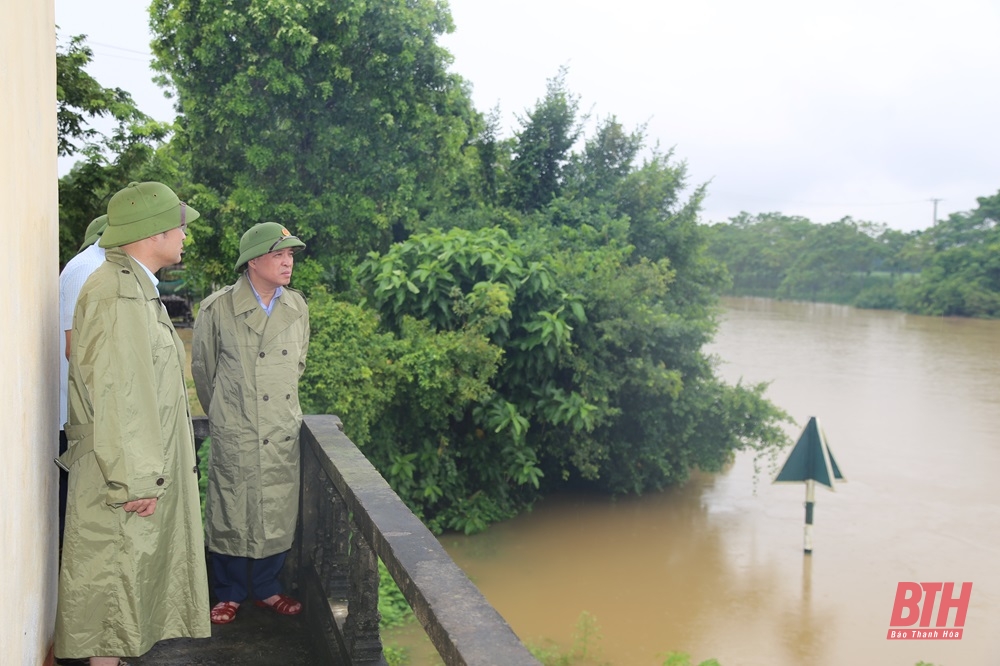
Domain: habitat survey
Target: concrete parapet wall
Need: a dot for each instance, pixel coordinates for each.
(344, 496)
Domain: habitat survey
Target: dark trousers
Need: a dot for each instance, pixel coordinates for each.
(63, 484)
(236, 577)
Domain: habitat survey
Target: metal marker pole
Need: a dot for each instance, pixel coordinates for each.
(810, 501)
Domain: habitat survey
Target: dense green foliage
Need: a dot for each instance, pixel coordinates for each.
(949, 269)
(399, 395)
(547, 134)
(960, 260)
(603, 381)
(337, 119)
(492, 318)
(107, 162)
(791, 257)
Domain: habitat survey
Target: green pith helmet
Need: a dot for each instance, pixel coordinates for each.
(263, 238)
(94, 231)
(141, 210)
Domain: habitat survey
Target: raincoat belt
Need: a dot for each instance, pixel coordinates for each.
(81, 442)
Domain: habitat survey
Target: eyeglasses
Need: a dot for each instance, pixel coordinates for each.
(184, 224)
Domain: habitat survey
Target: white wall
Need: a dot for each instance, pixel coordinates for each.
(29, 384)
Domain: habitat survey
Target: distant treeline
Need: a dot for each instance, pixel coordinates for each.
(950, 269)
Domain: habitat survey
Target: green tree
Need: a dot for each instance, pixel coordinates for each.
(482, 282)
(607, 188)
(107, 162)
(832, 262)
(781, 256)
(542, 147)
(601, 296)
(338, 119)
(961, 259)
(404, 397)
(607, 159)
(758, 250)
(658, 408)
(600, 384)
(493, 158)
(664, 226)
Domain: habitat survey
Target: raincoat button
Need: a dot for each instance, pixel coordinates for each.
(125, 271)
(284, 352)
(262, 354)
(288, 396)
(265, 398)
(159, 481)
(195, 469)
(267, 441)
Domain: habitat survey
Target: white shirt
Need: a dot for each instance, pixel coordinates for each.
(156, 283)
(71, 281)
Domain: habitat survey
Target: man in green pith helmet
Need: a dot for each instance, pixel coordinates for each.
(248, 352)
(133, 566)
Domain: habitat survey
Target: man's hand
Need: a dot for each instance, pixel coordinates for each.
(143, 507)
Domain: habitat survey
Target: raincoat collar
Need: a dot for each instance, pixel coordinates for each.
(285, 311)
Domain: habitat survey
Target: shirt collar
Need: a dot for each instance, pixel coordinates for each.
(277, 293)
(150, 274)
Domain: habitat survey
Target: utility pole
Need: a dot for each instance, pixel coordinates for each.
(935, 202)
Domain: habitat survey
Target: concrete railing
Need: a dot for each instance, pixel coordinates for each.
(349, 518)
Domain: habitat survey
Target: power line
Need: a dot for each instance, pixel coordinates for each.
(121, 57)
(147, 56)
(121, 48)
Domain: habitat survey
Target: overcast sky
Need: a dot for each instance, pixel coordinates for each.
(866, 108)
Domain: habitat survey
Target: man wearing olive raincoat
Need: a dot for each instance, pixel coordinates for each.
(133, 560)
(248, 352)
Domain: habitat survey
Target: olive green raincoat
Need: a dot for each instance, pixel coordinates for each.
(246, 368)
(128, 581)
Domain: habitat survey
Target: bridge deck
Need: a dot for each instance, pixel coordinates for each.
(257, 637)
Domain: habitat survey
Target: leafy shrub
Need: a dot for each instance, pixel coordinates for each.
(404, 397)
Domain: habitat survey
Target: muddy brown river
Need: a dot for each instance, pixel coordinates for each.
(911, 409)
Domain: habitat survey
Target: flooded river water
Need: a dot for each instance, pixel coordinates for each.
(911, 409)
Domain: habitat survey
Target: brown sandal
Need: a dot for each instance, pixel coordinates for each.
(284, 605)
(224, 612)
